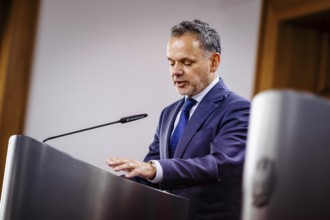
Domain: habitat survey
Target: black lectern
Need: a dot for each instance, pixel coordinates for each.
(41, 182)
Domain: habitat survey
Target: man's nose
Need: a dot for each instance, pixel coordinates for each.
(176, 69)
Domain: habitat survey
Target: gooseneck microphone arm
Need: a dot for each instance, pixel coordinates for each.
(122, 120)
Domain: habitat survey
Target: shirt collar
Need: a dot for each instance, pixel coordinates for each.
(198, 97)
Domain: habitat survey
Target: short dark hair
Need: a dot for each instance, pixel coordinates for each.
(208, 36)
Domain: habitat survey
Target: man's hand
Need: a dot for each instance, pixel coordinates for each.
(132, 167)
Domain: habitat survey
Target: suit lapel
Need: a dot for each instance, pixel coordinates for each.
(208, 104)
(168, 127)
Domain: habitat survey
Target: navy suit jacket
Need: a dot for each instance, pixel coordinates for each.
(208, 162)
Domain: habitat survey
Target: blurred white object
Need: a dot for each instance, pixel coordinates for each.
(287, 168)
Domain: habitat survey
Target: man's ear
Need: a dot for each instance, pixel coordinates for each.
(215, 61)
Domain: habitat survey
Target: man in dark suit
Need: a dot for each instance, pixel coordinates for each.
(199, 157)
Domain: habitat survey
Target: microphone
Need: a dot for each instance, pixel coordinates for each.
(122, 120)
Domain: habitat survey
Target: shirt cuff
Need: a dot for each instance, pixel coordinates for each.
(159, 173)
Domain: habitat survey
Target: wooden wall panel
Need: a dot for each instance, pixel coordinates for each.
(290, 9)
(291, 45)
(266, 48)
(16, 55)
(297, 61)
(324, 63)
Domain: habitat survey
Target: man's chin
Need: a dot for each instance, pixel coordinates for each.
(183, 92)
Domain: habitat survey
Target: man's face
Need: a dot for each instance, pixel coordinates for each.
(191, 69)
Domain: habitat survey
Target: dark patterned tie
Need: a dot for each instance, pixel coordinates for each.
(189, 103)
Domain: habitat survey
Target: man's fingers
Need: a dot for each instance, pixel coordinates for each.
(115, 161)
(131, 167)
(124, 166)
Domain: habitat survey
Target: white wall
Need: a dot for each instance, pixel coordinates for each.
(98, 61)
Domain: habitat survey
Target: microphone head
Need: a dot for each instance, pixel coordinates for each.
(132, 118)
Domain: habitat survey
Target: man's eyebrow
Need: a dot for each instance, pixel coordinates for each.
(182, 59)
